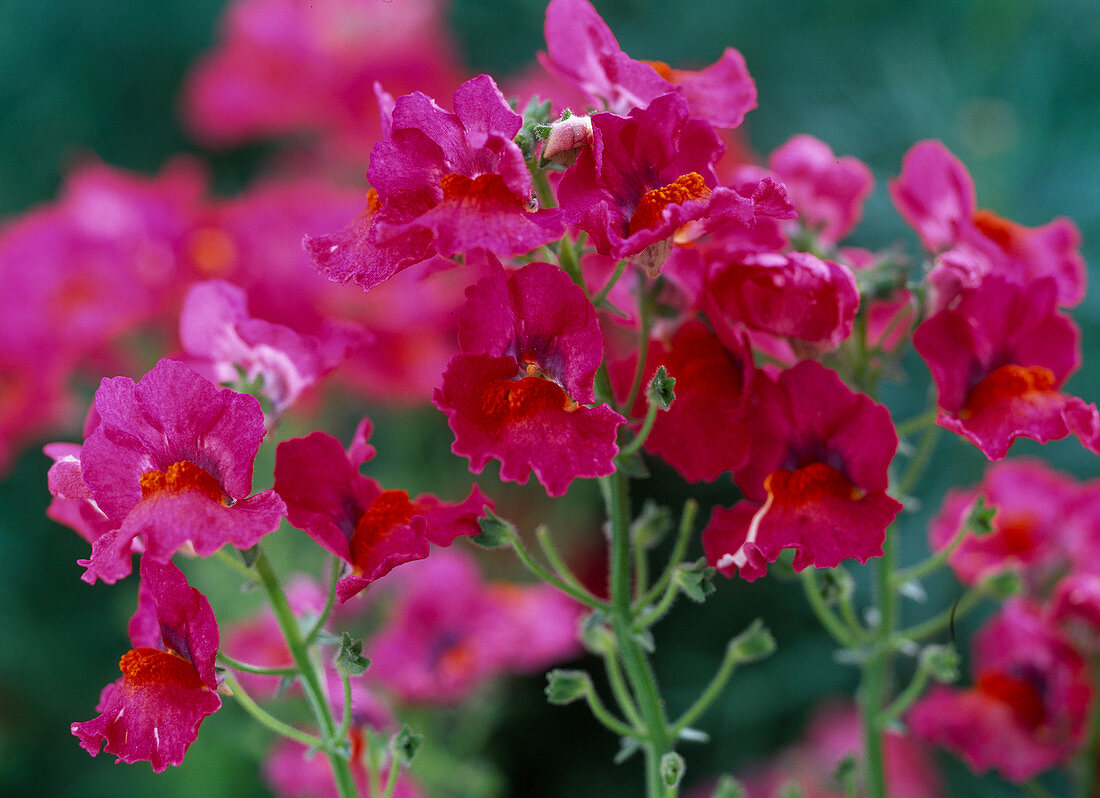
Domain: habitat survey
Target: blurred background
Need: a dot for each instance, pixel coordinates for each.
(1010, 86)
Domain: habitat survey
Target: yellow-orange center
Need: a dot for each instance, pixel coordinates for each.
(1007, 234)
(212, 251)
(517, 399)
(482, 190)
(142, 666)
(179, 478)
(648, 214)
(1008, 382)
(1019, 695)
(391, 508)
(663, 69)
(809, 485)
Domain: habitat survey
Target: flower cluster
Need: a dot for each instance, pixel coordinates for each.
(585, 287)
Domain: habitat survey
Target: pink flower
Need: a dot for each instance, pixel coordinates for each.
(1037, 527)
(444, 183)
(1026, 710)
(827, 191)
(936, 196)
(284, 67)
(998, 357)
(352, 517)
(217, 331)
(835, 732)
(168, 683)
(815, 480)
(522, 397)
(583, 52)
(170, 462)
(450, 631)
(795, 295)
(649, 174)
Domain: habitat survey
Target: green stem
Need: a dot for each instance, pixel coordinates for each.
(938, 623)
(660, 609)
(319, 624)
(604, 716)
(919, 462)
(643, 433)
(311, 680)
(933, 563)
(567, 259)
(577, 592)
(1087, 757)
(638, 672)
(261, 670)
(620, 690)
(231, 559)
(841, 634)
(268, 720)
(917, 423)
(542, 185)
(644, 325)
(709, 695)
(611, 281)
(557, 562)
(875, 681)
(907, 696)
(683, 538)
(391, 778)
(345, 724)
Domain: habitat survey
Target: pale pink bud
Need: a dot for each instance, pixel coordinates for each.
(567, 138)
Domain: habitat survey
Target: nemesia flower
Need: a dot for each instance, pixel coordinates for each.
(518, 392)
(935, 195)
(352, 517)
(170, 463)
(217, 331)
(833, 733)
(998, 357)
(582, 52)
(168, 684)
(815, 480)
(793, 295)
(1034, 527)
(705, 432)
(283, 67)
(1026, 710)
(443, 183)
(827, 191)
(649, 174)
(450, 631)
(292, 770)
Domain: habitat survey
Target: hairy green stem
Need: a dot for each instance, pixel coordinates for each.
(268, 720)
(575, 591)
(833, 625)
(310, 678)
(638, 672)
(709, 695)
(261, 670)
(319, 624)
(875, 681)
(683, 538)
(942, 621)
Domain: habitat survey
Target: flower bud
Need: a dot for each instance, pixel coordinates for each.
(566, 139)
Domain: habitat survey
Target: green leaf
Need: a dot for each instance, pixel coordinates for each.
(695, 580)
(349, 659)
(565, 687)
(495, 531)
(405, 745)
(659, 392)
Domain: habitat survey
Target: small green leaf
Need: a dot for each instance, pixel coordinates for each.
(1004, 584)
(495, 531)
(941, 662)
(405, 745)
(754, 643)
(696, 580)
(659, 391)
(349, 659)
(980, 518)
(672, 769)
(565, 687)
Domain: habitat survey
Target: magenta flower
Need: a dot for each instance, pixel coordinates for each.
(450, 631)
(531, 347)
(1075, 610)
(647, 175)
(705, 432)
(168, 684)
(287, 67)
(827, 191)
(998, 357)
(935, 195)
(352, 517)
(815, 481)
(1039, 526)
(1026, 710)
(795, 295)
(170, 463)
(443, 183)
(582, 51)
(217, 331)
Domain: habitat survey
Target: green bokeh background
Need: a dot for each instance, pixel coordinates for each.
(1011, 86)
